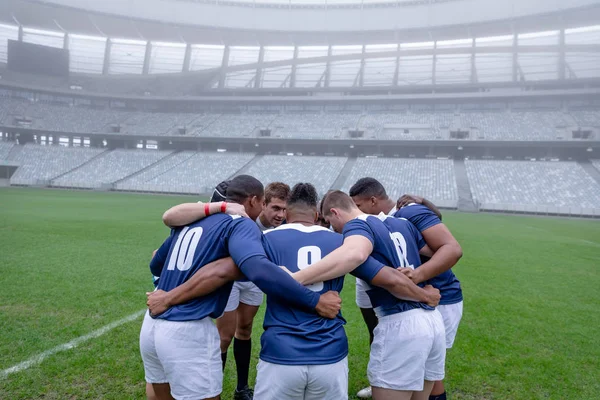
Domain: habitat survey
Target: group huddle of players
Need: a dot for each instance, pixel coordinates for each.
(216, 264)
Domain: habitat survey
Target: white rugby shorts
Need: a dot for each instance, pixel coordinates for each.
(186, 354)
(362, 298)
(452, 314)
(244, 292)
(408, 348)
(301, 382)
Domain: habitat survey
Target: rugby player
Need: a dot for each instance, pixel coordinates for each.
(370, 197)
(245, 298)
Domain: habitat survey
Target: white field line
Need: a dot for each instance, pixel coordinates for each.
(69, 345)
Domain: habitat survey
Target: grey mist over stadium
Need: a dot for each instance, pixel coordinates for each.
(495, 109)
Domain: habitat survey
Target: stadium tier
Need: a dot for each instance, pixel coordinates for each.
(320, 171)
(434, 179)
(402, 124)
(187, 172)
(110, 167)
(532, 186)
(5, 148)
(40, 164)
(522, 186)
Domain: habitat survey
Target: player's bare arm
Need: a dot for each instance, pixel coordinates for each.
(446, 253)
(187, 213)
(403, 288)
(206, 280)
(352, 253)
(411, 198)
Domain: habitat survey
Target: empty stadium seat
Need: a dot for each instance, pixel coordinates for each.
(532, 183)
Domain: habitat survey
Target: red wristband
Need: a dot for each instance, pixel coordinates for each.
(223, 207)
(206, 209)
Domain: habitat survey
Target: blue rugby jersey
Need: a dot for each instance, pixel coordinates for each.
(293, 336)
(447, 283)
(218, 236)
(396, 243)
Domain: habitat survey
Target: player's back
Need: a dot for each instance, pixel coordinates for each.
(423, 218)
(187, 250)
(396, 243)
(294, 336)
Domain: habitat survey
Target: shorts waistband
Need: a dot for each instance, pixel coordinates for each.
(405, 315)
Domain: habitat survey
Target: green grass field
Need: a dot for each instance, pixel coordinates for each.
(73, 262)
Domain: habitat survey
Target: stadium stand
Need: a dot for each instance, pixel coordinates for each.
(5, 148)
(109, 168)
(234, 125)
(586, 118)
(187, 172)
(320, 171)
(532, 186)
(314, 125)
(145, 123)
(416, 124)
(407, 126)
(433, 179)
(39, 164)
(73, 119)
(538, 125)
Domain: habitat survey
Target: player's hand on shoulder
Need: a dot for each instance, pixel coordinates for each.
(329, 305)
(157, 302)
(236, 209)
(433, 295)
(408, 199)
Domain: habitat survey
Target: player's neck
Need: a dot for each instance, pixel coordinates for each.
(264, 221)
(305, 219)
(388, 206)
(301, 221)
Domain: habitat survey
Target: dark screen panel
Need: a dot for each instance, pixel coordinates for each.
(37, 59)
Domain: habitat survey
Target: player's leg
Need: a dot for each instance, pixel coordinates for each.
(368, 314)
(226, 327)
(159, 391)
(390, 394)
(451, 314)
(190, 354)
(153, 369)
(280, 382)
(423, 394)
(327, 382)
(250, 299)
(370, 319)
(436, 361)
(226, 324)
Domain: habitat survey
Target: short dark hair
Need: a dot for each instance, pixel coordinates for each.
(243, 186)
(368, 187)
(220, 192)
(337, 199)
(303, 194)
(277, 190)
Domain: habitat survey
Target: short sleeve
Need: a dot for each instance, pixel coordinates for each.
(158, 261)
(419, 215)
(367, 270)
(359, 227)
(244, 240)
(417, 235)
